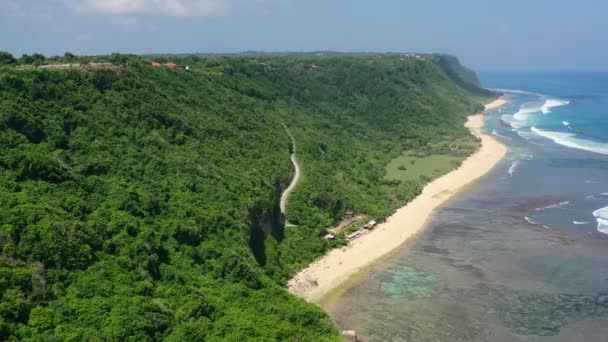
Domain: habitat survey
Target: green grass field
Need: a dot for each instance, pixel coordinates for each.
(411, 168)
(437, 159)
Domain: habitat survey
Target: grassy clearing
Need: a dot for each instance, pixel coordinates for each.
(410, 167)
(436, 159)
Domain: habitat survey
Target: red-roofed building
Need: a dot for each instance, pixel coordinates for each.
(155, 64)
(314, 67)
(170, 65)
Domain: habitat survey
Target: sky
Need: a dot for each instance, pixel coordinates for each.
(484, 34)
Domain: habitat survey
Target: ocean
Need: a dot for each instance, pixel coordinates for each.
(521, 255)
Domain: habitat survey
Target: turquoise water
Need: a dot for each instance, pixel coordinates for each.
(523, 255)
(563, 119)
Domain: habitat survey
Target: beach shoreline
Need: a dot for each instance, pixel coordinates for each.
(328, 273)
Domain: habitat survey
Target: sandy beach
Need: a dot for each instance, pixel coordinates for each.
(324, 275)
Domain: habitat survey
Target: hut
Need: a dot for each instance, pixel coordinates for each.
(370, 225)
(354, 236)
(155, 64)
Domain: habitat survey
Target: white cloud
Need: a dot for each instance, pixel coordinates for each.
(16, 10)
(175, 8)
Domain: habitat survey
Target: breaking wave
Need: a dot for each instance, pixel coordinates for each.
(525, 110)
(543, 105)
(570, 140)
(550, 103)
(514, 91)
(601, 215)
(513, 167)
(553, 206)
(530, 221)
(500, 136)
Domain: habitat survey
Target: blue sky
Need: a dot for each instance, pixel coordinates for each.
(487, 35)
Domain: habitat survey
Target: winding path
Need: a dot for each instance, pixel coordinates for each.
(294, 179)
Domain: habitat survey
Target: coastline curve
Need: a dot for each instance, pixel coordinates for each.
(329, 272)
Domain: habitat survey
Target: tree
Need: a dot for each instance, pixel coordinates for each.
(38, 59)
(6, 58)
(144, 204)
(68, 56)
(26, 59)
(119, 59)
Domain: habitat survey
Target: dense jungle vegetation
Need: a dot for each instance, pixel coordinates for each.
(141, 203)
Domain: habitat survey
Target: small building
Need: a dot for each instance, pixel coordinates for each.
(354, 236)
(314, 67)
(329, 237)
(171, 65)
(370, 225)
(155, 64)
(348, 215)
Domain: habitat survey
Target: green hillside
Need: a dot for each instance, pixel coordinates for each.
(141, 203)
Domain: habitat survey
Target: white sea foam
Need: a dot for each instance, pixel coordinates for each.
(604, 194)
(592, 197)
(580, 222)
(513, 167)
(498, 135)
(601, 215)
(513, 91)
(508, 119)
(529, 108)
(553, 206)
(525, 110)
(550, 103)
(529, 220)
(570, 140)
(533, 107)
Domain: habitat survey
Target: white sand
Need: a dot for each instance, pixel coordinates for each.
(329, 272)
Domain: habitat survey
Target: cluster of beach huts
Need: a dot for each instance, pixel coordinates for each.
(349, 218)
(366, 228)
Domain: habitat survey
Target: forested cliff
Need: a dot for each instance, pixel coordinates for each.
(141, 203)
